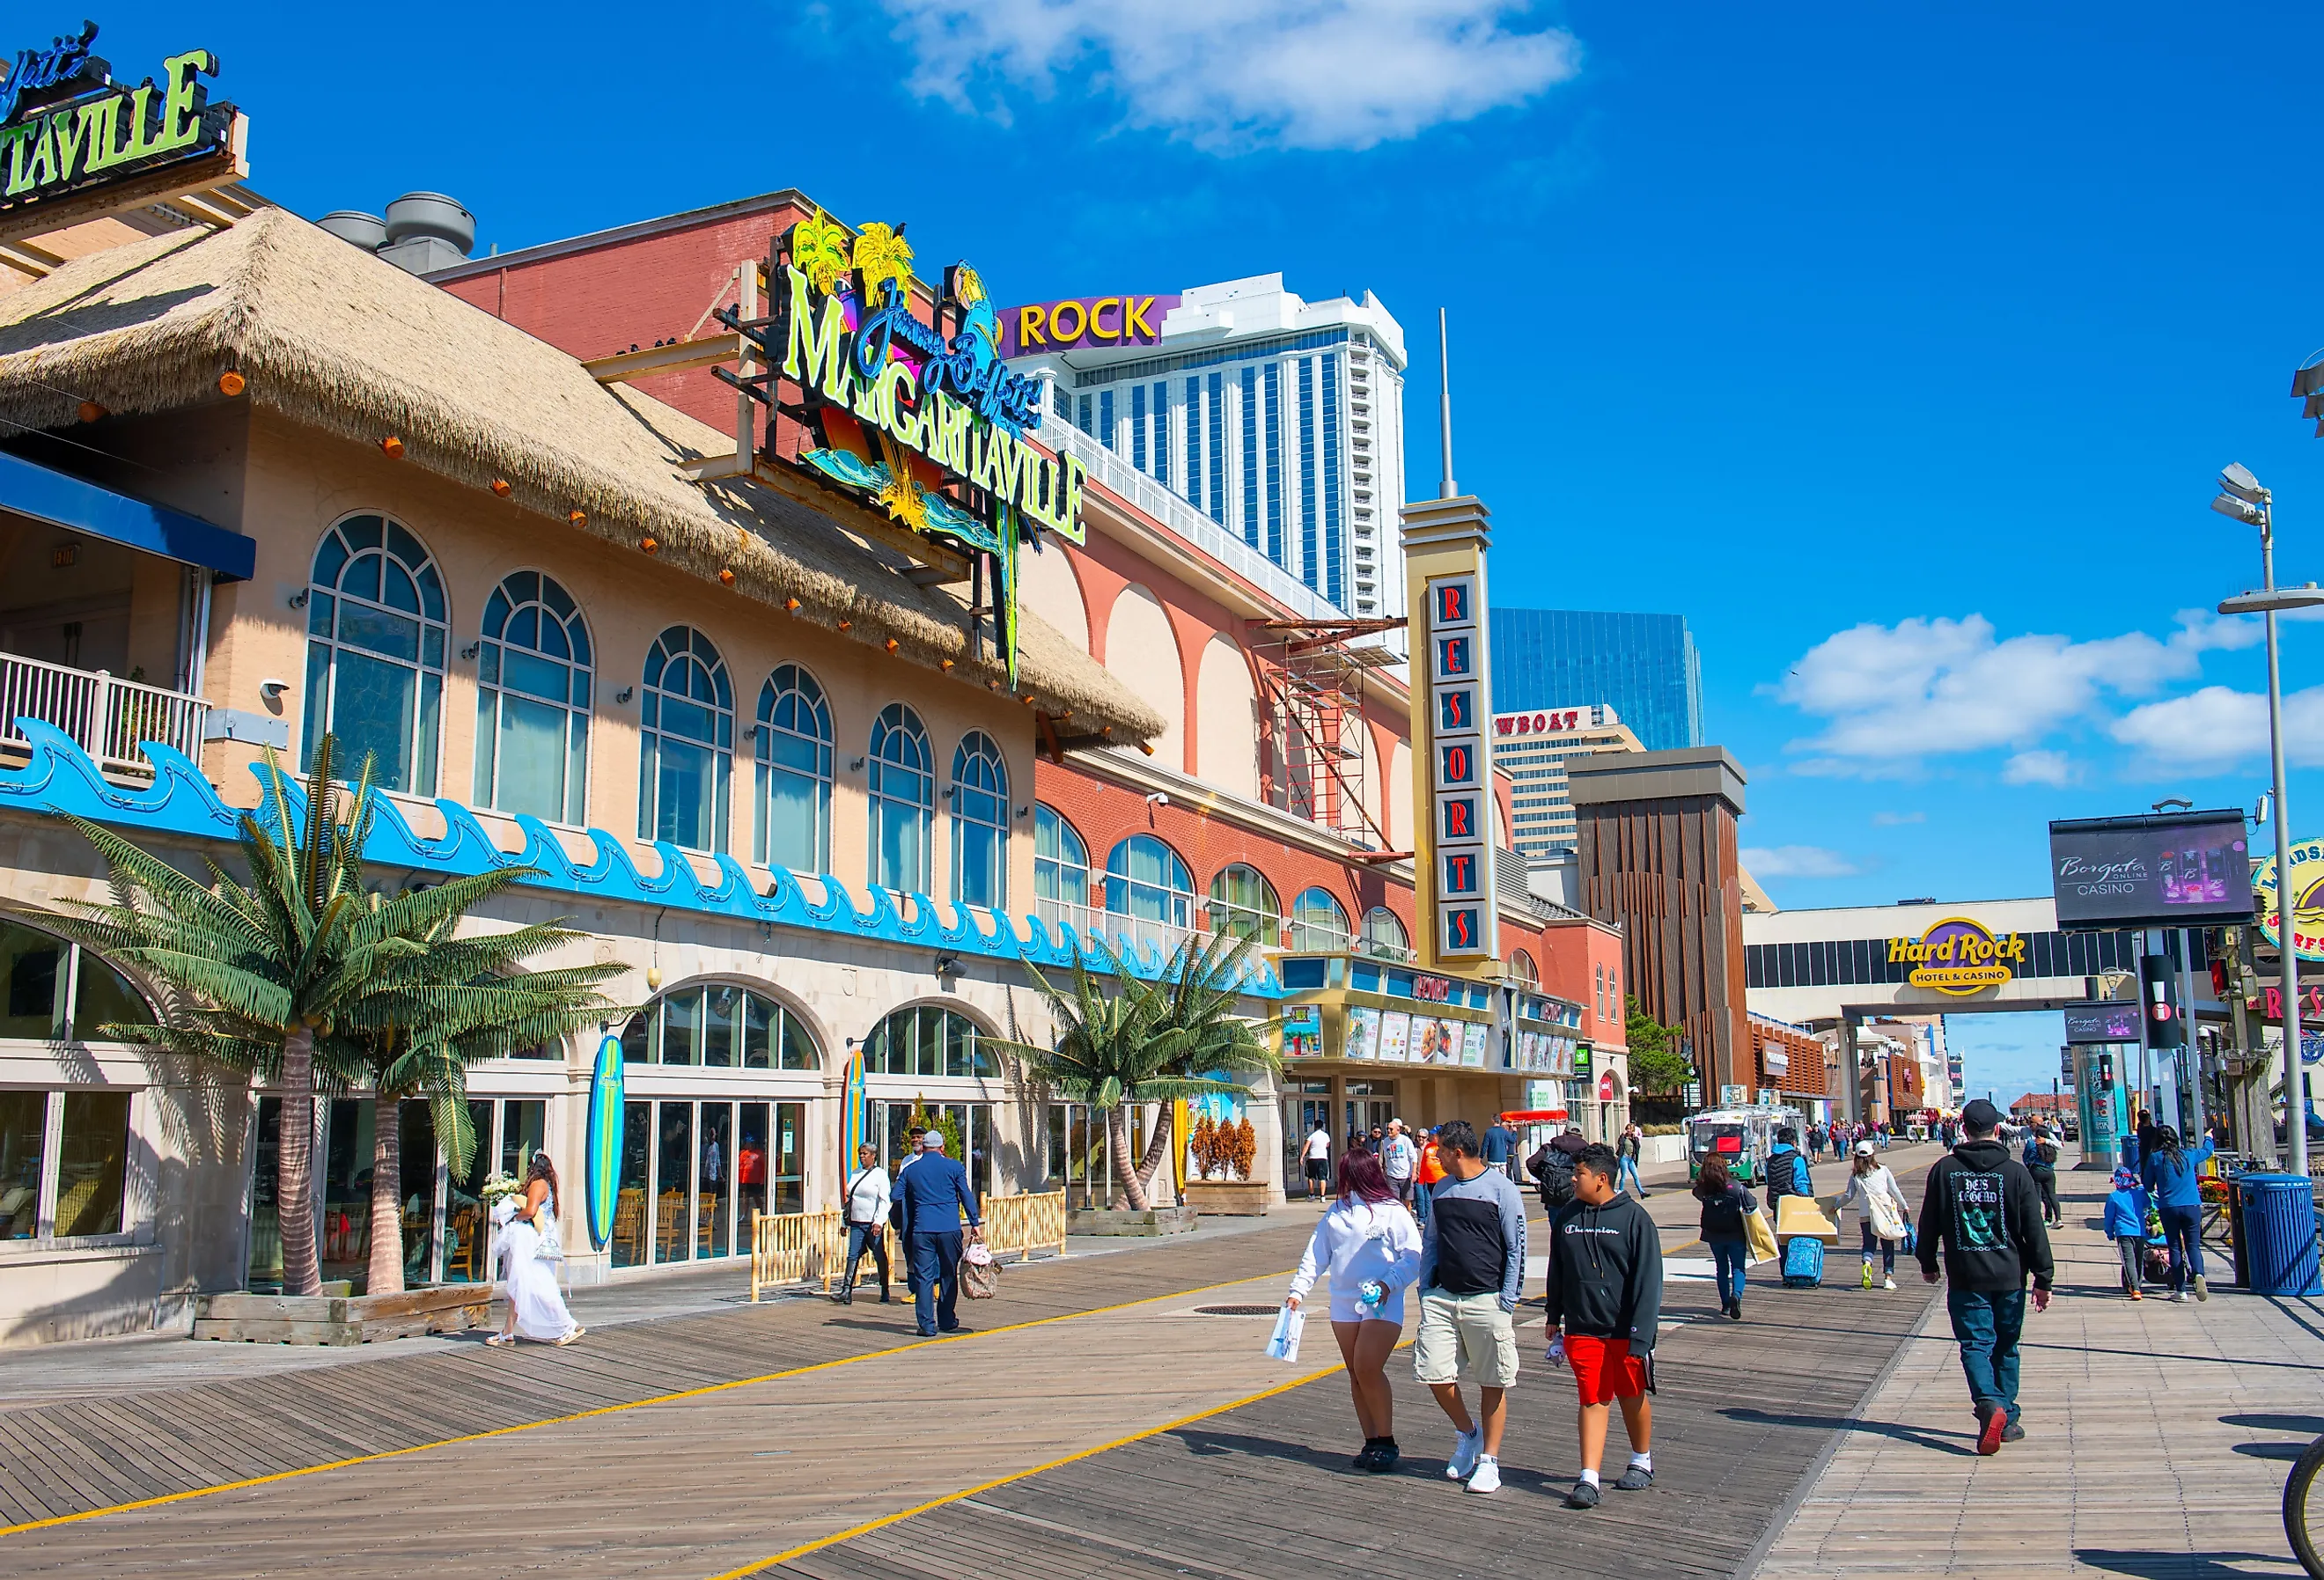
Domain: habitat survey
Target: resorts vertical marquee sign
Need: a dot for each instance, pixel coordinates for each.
(1456, 817)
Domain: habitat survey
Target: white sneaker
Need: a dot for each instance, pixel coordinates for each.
(2178, 1296)
(1487, 1478)
(1465, 1446)
(1888, 1283)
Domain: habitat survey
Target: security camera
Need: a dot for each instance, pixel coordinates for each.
(1158, 798)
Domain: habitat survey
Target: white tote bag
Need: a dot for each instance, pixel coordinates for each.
(1283, 1344)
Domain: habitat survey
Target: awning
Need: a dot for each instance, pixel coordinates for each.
(65, 500)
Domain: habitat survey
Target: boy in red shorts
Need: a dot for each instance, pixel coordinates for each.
(1605, 1298)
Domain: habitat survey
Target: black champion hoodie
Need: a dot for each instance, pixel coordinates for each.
(1986, 1209)
(1606, 1273)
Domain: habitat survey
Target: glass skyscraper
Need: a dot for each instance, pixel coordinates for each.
(1645, 665)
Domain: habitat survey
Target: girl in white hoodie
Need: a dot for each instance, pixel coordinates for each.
(1368, 1245)
(1881, 1212)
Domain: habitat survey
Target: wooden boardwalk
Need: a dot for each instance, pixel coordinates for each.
(1100, 1426)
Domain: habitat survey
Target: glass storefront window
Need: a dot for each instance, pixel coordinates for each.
(266, 1265)
(23, 1136)
(345, 1165)
(637, 1175)
(891, 1122)
(674, 1182)
(29, 965)
(722, 1027)
(713, 1198)
(927, 1041)
(681, 1028)
(751, 1159)
(468, 1237)
(790, 1157)
(723, 1005)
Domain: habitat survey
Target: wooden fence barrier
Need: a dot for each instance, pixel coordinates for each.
(797, 1248)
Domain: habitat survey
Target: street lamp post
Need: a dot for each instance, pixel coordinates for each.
(2242, 497)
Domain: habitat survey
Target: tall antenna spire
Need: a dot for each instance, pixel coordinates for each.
(1450, 490)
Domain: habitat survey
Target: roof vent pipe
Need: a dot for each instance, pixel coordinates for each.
(367, 231)
(416, 214)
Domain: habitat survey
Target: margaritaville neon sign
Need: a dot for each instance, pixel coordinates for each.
(925, 419)
(1959, 957)
(66, 130)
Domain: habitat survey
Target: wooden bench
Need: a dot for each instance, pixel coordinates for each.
(341, 1319)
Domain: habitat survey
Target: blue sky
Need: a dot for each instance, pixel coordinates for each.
(1895, 347)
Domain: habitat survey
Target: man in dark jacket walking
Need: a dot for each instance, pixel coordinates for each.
(1787, 1171)
(1985, 1211)
(1604, 1304)
(938, 1200)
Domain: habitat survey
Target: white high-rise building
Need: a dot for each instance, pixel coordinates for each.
(1280, 420)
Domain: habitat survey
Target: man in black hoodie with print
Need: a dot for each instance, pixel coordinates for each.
(1604, 1304)
(1986, 1210)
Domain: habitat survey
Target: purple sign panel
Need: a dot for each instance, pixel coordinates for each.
(2186, 868)
(2101, 1020)
(1083, 323)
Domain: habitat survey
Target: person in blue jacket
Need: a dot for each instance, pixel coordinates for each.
(2126, 1225)
(1787, 1171)
(2169, 1172)
(937, 1198)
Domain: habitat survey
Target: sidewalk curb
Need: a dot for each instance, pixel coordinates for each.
(1749, 1563)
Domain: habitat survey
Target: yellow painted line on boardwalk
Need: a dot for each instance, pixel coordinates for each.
(610, 1409)
(901, 1515)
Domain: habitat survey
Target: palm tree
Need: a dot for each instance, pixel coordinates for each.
(1145, 1043)
(420, 1027)
(255, 970)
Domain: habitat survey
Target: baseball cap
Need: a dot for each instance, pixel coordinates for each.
(933, 1142)
(1864, 1149)
(1980, 1115)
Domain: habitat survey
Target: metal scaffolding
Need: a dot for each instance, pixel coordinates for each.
(1310, 674)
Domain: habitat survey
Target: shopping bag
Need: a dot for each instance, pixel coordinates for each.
(1803, 1215)
(1283, 1344)
(1761, 1237)
(1888, 1222)
(980, 1277)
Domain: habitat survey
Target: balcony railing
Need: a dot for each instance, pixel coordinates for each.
(1118, 931)
(109, 720)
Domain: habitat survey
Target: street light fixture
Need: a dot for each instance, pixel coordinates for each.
(2247, 500)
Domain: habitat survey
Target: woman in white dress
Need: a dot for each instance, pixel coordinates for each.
(528, 1249)
(1368, 1245)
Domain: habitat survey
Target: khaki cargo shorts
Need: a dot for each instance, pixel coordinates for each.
(1466, 1337)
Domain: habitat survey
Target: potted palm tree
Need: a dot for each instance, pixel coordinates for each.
(255, 973)
(1121, 1043)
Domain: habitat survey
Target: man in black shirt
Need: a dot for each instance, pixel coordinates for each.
(1983, 1210)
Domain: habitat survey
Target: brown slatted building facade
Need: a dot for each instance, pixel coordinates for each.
(1656, 847)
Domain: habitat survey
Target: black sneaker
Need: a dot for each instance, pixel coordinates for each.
(1584, 1495)
(2012, 1433)
(1735, 1311)
(1637, 1479)
(1365, 1456)
(1383, 1458)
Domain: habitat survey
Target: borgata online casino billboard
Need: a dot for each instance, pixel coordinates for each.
(2187, 869)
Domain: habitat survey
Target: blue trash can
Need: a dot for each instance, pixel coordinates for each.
(2278, 1225)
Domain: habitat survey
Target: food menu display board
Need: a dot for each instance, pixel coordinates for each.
(1396, 1030)
(1303, 1031)
(1363, 1033)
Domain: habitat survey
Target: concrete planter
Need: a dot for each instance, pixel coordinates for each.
(341, 1319)
(1153, 1221)
(1231, 1199)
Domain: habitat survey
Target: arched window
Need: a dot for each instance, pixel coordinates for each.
(719, 1026)
(1384, 934)
(1317, 922)
(533, 701)
(927, 1041)
(980, 823)
(685, 725)
(1522, 971)
(1061, 877)
(1145, 880)
(1243, 902)
(793, 825)
(903, 799)
(375, 653)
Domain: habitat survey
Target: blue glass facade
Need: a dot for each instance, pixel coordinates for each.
(1642, 665)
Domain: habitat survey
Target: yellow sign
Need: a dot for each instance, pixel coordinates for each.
(1959, 957)
(2307, 899)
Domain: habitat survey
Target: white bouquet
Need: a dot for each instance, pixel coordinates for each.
(499, 1185)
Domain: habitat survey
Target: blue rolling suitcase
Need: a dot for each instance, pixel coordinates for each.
(1802, 1263)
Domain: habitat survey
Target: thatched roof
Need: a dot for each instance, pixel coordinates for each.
(331, 338)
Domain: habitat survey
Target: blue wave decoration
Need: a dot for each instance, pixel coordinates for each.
(60, 777)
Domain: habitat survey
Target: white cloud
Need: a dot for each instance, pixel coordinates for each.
(1891, 695)
(1797, 861)
(2201, 631)
(1224, 74)
(2050, 768)
(2216, 730)
(1896, 819)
